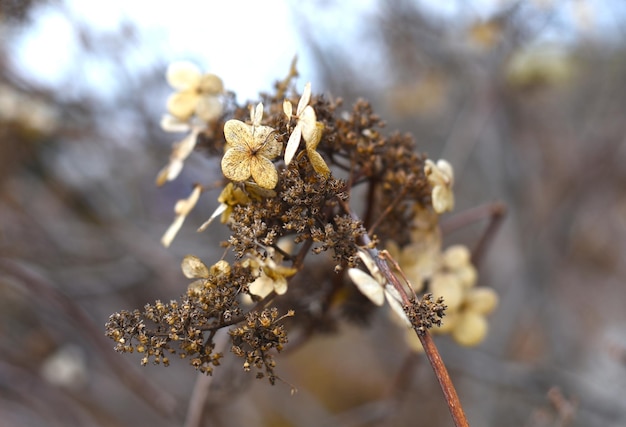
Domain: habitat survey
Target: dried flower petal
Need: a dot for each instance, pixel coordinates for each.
(194, 268)
(182, 209)
(183, 75)
(249, 153)
(441, 178)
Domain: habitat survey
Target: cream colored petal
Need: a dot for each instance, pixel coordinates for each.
(314, 137)
(172, 124)
(368, 286)
(456, 256)
(318, 163)
(183, 75)
(470, 329)
(236, 164)
(183, 148)
(184, 206)
(209, 108)
(171, 232)
(256, 114)
(169, 172)
(481, 300)
(304, 99)
(194, 268)
(287, 108)
(263, 172)
(280, 285)
(308, 122)
(211, 84)
(447, 286)
(446, 170)
(442, 199)
(395, 302)
(293, 144)
(467, 275)
(265, 142)
(220, 269)
(262, 286)
(237, 133)
(217, 212)
(182, 104)
(371, 266)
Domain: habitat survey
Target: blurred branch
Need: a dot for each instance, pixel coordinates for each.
(41, 288)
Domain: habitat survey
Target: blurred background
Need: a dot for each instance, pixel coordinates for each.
(526, 99)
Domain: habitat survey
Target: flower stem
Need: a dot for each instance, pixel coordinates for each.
(449, 392)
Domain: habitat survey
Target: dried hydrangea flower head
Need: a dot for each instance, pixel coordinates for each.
(250, 151)
(441, 178)
(197, 94)
(182, 209)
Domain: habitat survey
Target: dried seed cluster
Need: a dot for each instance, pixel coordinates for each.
(253, 340)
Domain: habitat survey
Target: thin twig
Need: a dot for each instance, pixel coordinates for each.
(494, 211)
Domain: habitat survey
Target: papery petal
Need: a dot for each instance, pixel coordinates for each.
(209, 108)
(456, 256)
(217, 212)
(182, 104)
(171, 232)
(236, 163)
(183, 148)
(371, 266)
(256, 114)
(293, 144)
(169, 172)
(183, 75)
(394, 300)
(442, 199)
(211, 84)
(304, 99)
(446, 170)
(172, 124)
(194, 268)
(238, 134)
(318, 163)
(265, 142)
(262, 286)
(446, 285)
(280, 285)
(470, 329)
(313, 136)
(287, 108)
(481, 300)
(308, 121)
(263, 172)
(368, 286)
(184, 206)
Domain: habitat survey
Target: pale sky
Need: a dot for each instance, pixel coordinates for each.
(229, 38)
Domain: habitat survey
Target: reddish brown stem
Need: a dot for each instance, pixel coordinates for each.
(454, 404)
(449, 392)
